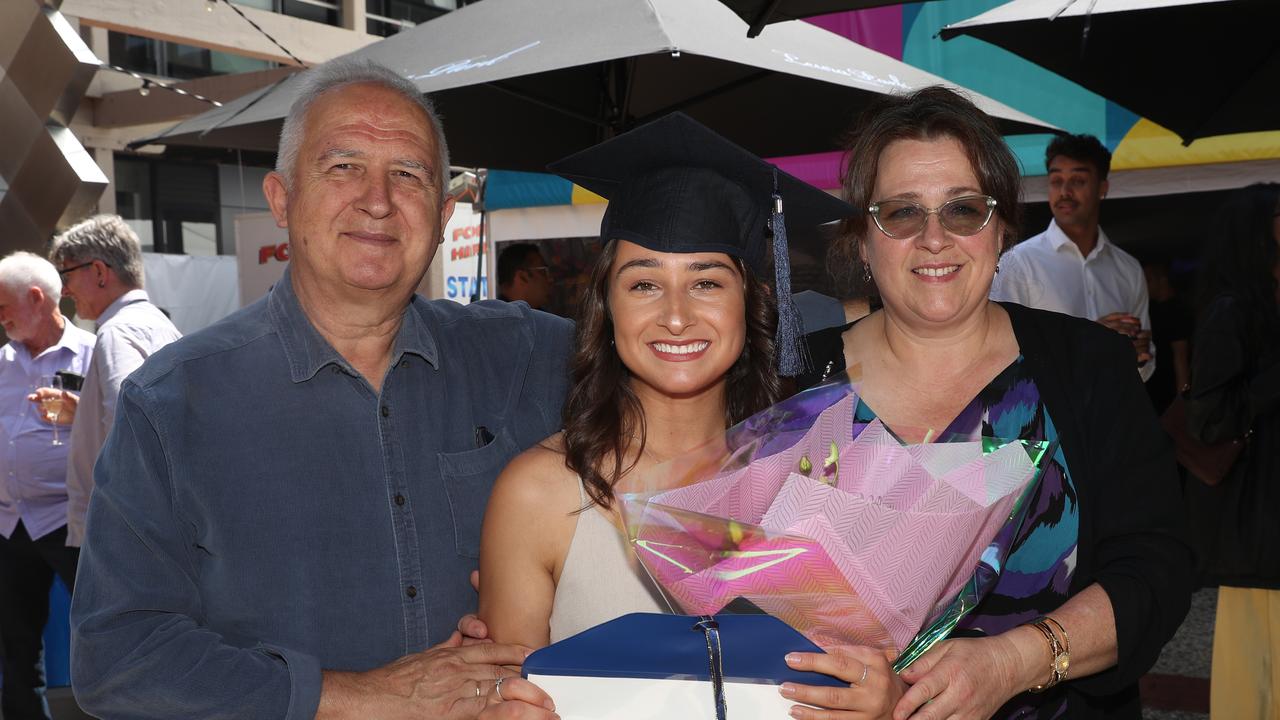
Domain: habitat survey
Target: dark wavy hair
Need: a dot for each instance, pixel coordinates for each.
(512, 259)
(1241, 258)
(602, 414)
(929, 113)
(1086, 148)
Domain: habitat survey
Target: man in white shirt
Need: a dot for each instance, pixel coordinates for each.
(33, 493)
(100, 261)
(1072, 267)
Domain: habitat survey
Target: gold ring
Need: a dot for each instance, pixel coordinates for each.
(478, 691)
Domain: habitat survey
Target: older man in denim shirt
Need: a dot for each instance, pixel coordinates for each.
(288, 507)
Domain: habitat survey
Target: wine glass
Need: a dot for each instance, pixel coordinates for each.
(52, 402)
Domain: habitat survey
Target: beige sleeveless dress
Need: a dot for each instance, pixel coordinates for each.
(602, 579)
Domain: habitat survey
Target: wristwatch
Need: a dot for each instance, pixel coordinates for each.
(1059, 652)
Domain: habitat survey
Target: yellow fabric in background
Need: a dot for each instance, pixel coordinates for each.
(582, 196)
(1246, 655)
(1148, 145)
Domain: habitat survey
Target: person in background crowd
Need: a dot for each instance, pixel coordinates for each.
(524, 275)
(820, 312)
(1100, 575)
(1171, 326)
(288, 507)
(1072, 267)
(1235, 395)
(100, 261)
(33, 493)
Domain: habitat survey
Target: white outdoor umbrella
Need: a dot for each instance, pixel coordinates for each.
(520, 83)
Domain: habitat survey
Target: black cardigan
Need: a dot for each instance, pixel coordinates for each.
(1132, 529)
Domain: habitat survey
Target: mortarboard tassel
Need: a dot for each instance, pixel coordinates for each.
(791, 355)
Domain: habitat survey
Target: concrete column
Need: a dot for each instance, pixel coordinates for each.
(97, 40)
(353, 17)
(106, 160)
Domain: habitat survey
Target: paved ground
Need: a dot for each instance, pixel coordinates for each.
(1178, 686)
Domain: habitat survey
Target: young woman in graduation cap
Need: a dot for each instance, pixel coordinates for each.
(675, 343)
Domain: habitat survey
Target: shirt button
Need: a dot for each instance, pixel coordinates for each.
(399, 499)
(411, 591)
(335, 369)
(386, 411)
(404, 363)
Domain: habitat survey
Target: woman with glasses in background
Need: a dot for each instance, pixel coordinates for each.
(1098, 578)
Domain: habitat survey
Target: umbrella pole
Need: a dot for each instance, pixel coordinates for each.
(476, 293)
(763, 19)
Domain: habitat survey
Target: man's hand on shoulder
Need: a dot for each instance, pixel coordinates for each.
(451, 681)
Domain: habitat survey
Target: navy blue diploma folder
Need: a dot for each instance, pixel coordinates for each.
(647, 665)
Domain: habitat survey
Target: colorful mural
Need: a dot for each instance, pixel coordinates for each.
(908, 32)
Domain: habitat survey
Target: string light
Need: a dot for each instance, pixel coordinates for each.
(148, 83)
(257, 27)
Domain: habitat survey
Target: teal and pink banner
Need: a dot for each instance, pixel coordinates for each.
(909, 32)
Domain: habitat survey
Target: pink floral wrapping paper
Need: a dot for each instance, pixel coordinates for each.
(850, 537)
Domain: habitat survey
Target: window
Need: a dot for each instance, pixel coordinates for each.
(173, 206)
(133, 197)
(387, 17)
(175, 60)
(315, 10)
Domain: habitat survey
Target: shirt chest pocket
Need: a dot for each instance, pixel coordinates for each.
(468, 479)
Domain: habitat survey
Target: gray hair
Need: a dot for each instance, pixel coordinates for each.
(22, 270)
(102, 237)
(339, 73)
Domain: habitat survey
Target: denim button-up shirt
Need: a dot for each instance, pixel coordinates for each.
(262, 514)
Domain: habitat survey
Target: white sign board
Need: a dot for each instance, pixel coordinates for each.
(262, 252)
(459, 255)
(195, 290)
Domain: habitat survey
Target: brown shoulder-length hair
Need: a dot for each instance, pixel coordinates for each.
(927, 114)
(602, 414)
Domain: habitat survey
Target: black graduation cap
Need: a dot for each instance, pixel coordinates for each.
(674, 185)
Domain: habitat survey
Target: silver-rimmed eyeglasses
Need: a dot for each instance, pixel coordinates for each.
(902, 219)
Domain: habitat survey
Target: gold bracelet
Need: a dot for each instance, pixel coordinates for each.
(1066, 641)
(1059, 653)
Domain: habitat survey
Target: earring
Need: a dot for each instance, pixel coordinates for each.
(866, 272)
(997, 268)
(102, 283)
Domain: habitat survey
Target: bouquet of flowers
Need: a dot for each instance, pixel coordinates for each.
(834, 525)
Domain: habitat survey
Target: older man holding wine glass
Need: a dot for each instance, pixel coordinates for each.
(33, 464)
(100, 262)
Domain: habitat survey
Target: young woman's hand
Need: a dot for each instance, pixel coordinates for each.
(874, 689)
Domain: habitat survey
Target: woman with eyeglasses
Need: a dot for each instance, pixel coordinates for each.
(1098, 579)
